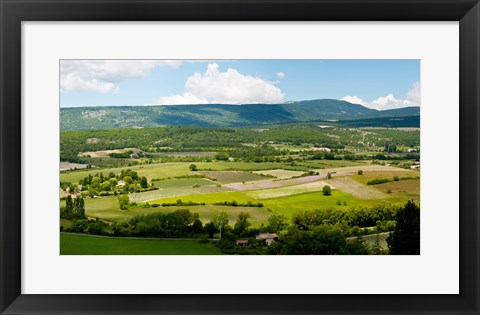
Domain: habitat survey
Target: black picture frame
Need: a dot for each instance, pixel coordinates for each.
(13, 12)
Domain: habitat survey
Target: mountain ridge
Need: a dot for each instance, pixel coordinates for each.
(220, 115)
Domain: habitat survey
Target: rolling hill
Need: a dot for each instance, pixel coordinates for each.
(220, 115)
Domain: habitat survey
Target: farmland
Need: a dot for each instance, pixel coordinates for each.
(214, 175)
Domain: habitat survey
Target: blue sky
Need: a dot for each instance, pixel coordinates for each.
(379, 84)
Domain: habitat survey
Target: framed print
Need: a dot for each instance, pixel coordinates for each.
(226, 157)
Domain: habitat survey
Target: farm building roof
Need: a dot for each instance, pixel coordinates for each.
(266, 236)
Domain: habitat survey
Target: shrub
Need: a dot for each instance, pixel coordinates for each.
(327, 191)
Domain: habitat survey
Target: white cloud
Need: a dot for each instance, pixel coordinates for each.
(414, 94)
(183, 99)
(229, 87)
(381, 103)
(354, 100)
(103, 75)
(389, 101)
(280, 75)
(71, 82)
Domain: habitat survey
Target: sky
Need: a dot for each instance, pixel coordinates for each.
(378, 84)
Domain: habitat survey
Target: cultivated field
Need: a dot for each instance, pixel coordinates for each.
(67, 166)
(280, 173)
(97, 245)
(356, 189)
(289, 190)
(178, 187)
(226, 177)
(287, 196)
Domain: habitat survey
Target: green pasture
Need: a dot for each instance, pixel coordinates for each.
(95, 245)
(107, 208)
(286, 190)
(210, 198)
(178, 187)
(315, 200)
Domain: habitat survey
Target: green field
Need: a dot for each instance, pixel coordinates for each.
(287, 190)
(95, 245)
(209, 198)
(179, 187)
(107, 208)
(316, 200)
(175, 169)
(150, 171)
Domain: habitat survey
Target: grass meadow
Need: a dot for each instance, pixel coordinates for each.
(71, 244)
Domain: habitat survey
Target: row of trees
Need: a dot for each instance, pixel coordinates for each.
(74, 209)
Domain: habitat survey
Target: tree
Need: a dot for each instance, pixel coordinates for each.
(197, 227)
(329, 176)
(127, 179)
(68, 205)
(405, 239)
(327, 191)
(360, 172)
(242, 223)
(210, 229)
(79, 208)
(143, 182)
(221, 156)
(105, 186)
(220, 220)
(95, 182)
(277, 222)
(124, 202)
(193, 167)
(321, 240)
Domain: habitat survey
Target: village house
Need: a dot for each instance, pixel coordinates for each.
(415, 165)
(121, 183)
(267, 237)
